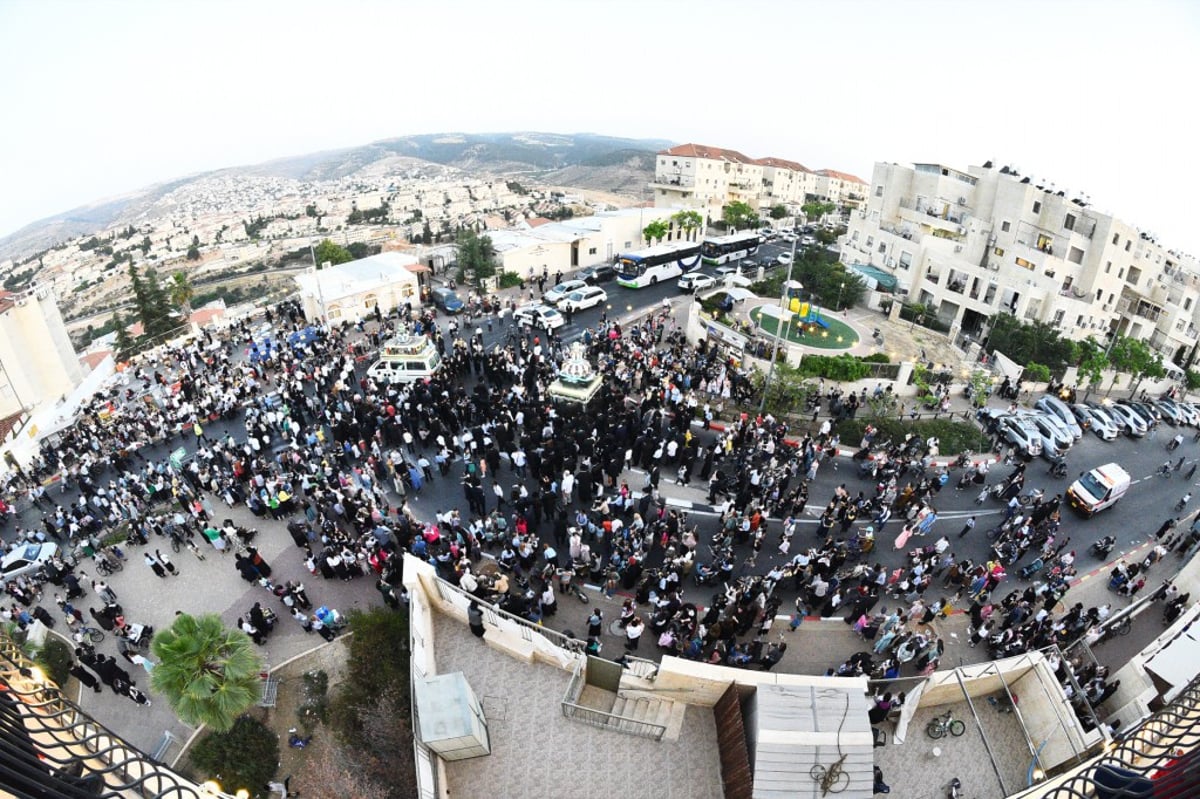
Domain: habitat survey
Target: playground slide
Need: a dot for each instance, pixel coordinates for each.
(817, 319)
(806, 313)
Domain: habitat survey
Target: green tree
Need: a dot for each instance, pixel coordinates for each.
(979, 382)
(1135, 357)
(789, 390)
(181, 290)
(124, 343)
(815, 210)
(426, 233)
(310, 210)
(688, 222)
(1093, 360)
(193, 253)
(329, 251)
(655, 231)
(208, 673)
(779, 211)
(475, 253)
(246, 756)
(1037, 372)
(145, 245)
(356, 216)
(738, 215)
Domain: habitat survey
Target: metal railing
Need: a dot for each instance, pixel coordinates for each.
(492, 615)
(56, 749)
(641, 668)
(602, 719)
(1157, 758)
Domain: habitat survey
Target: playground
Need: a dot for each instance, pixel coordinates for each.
(805, 324)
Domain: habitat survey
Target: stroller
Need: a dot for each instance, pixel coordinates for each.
(1030, 569)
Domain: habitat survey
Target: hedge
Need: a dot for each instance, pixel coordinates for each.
(953, 436)
(245, 757)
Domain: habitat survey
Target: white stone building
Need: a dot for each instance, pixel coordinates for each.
(38, 365)
(976, 243)
(350, 291)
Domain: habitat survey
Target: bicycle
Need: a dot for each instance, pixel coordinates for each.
(1122, 626)
(944, 723)
(93, 634)
(832, 779)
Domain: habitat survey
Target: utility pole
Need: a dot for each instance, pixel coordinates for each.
(762, 403)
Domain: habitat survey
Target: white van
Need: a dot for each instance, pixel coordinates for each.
(406, 359)
(1100, 488)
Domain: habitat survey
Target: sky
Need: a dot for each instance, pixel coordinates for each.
(102, 98)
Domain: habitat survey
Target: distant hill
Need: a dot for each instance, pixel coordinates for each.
(585, 160)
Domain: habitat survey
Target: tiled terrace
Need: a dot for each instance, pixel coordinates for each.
(538, 752)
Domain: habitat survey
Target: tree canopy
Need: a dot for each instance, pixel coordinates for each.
(208, 673)
(739, 215)
(331, 252)
(476, 254)
(687, 221)
(779, 211)
(816, 210)
(655, 231)
(151, 305)
(1026, 342)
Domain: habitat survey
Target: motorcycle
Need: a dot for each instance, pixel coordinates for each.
(1104, 546)
(1058, 468)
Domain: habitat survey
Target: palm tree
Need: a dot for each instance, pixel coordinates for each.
(181, 290)
(208, 673)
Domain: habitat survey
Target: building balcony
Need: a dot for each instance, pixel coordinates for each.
(56, 749)
(675, 183)
(951, 224)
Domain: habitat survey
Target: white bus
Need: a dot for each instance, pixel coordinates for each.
(723, 249)
(664, 262)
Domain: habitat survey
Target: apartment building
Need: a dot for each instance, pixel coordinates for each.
(976, 243)
(708, 178)
(37, 362)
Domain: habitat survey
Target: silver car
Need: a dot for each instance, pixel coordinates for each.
(1054, 443)
(1135, 425)
(1053, 405)
(25, 559)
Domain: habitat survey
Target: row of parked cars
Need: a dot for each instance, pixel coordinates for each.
(1053, 426)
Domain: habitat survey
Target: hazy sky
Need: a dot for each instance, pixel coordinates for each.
(101, 98)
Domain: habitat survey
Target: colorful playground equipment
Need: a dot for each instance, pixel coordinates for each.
(806, 313)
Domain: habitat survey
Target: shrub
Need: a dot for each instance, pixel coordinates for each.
(54, 657)
(245, 757)
(878, 357)
(954, 436)
(509, 279)
(1192, 378)
(378, 664)
(845, 368)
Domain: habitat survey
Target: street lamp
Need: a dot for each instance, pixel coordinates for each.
(762, 403)
(841, 286)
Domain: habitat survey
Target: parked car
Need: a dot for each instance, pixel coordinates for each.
(25, 560)
(587, 297)
(783, 259)
(1169, 411)
(788, 237)
(1189, 412)
(808, 241)
(446, 299)
(1135, 425)
(1025, 438)
(1102, 426)
(748, 265)
(1054, 443)
(562, 290)
(1100, 412)
(1062, 432)
(727, 269)
(601, 273)
(1052, 404)
(1149, 415)
(696, 281)
(542, 316)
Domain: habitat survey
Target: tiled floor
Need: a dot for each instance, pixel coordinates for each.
(913, 771)
(538, 752)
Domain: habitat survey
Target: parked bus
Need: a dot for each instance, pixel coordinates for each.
(664, 262)
(723, 249)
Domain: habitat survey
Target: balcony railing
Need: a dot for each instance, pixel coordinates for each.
(53, 748)
(602, 719)
(674, 182)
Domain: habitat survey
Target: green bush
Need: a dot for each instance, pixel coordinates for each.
(844, 368)
(1192, 377)
(54, 657)
(245, 757)
(378, 665)
(509, 280)
(878, 357)
(954, 436)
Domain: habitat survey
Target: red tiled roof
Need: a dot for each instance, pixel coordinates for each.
(6, 301)
(833, 173)
(206, 315)
(537, 221)
(94, 359)
(713, 153)
(784, 163)
(9, 422)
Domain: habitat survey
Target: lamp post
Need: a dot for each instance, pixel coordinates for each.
(841, 286)
(762, 403)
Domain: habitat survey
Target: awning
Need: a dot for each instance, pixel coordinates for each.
(417, 268)
(884, 280)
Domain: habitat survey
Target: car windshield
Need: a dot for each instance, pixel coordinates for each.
(575, 296)
(1090, 484)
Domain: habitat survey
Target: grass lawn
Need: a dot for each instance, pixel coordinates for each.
(838, 336)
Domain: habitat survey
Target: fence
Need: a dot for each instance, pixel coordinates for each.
(57, 738)
(500, 618)
(600, 718)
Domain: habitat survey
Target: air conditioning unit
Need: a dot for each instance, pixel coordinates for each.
(962, 200)
(958, 248)
(994, 267)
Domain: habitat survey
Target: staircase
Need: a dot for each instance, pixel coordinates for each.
(630, 712)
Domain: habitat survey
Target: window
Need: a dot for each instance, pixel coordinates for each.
(879, 190)
(591, 250)
(870, 241)
(1075, 256)
(999, 251)
(1058, 317)
(905, 260)
(1187, 304)
(1037, 207)
(1121, 273)
(882, 247)
(1108, 267)
(1128, 244)
(1005, 227)
(1021, 262)
(1116, 238)
(1079, 321)
(1069, 222)
(854, 236)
